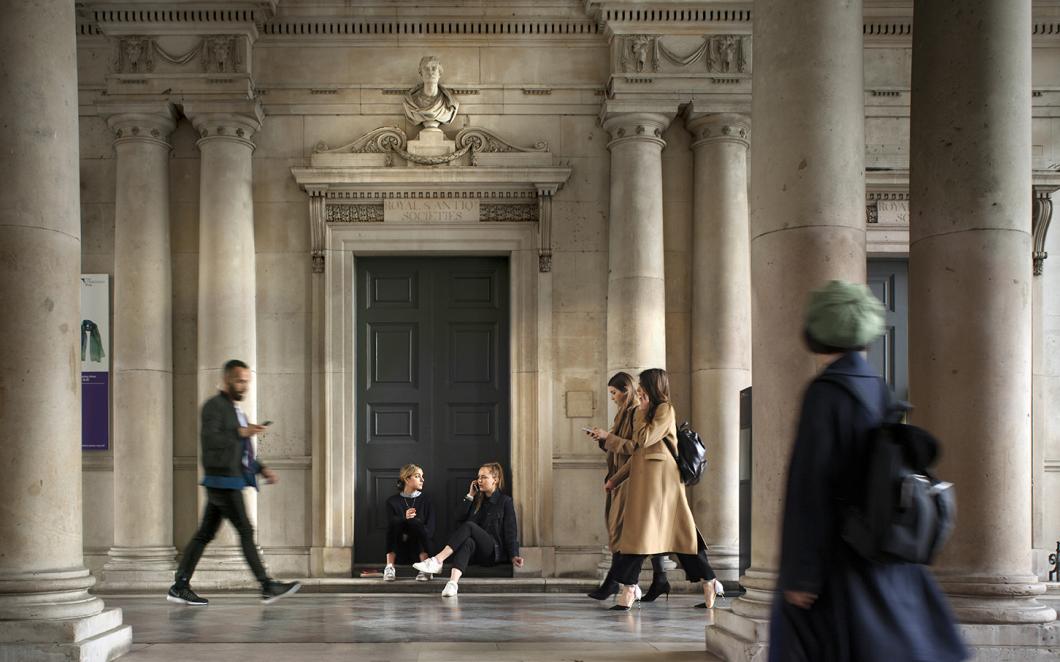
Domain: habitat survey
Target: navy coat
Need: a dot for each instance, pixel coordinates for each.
(865, 611)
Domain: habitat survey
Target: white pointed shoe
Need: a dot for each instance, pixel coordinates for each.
(637, 593)
(450, 590)
(431, 566)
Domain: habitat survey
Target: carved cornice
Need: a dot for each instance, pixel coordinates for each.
(131, 18)
(719, 127)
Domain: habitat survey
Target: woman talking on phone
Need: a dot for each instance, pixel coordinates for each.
(488, 532)
(622, 390)
(655, 513)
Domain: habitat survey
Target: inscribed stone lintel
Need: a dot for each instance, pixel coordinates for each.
(449, 210)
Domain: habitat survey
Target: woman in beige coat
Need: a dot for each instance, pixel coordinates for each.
(622, 390)
(655, 517)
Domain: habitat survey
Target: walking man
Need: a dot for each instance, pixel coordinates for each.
(228, 465)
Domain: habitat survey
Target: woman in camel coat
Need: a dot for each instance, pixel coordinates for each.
(651, 514)
(622, 389)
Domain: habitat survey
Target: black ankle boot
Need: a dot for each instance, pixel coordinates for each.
(605, 590)
(657, 588)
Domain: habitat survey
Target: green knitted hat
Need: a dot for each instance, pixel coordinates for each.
(844, 315)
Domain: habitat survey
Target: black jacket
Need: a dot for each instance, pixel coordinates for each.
(397, 505)
(497, 517)
(222, 447)
(865, 612)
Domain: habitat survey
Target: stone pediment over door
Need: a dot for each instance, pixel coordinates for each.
(475, 178)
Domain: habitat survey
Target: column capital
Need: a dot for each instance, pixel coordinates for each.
(718, 127)
(635, 126)
(141, 121)
(235, 121)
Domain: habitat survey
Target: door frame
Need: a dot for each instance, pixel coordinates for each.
(334, 380)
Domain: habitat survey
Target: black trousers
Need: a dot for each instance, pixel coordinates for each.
(625, 568)
(471, 544)
(656, 567)
(413, 530)
(221, 505)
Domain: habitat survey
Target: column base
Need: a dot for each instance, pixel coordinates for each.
(97, 638)
(138, 568)
(997, 600)
(725, 559)
(330, 562)
(737, 638)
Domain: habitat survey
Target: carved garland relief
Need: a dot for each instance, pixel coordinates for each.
(218, 54)
(722, 54)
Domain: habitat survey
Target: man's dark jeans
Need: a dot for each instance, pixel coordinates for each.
(221, 505)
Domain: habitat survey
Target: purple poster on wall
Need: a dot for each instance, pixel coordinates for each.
(95, 361)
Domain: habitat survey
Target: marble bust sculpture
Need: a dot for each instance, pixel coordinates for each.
(429, 103)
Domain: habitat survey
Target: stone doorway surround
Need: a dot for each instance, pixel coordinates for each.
(353, 193)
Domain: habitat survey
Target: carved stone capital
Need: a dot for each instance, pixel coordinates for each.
(141, 122)
(647, 127)
(236, 122)
(718, 127)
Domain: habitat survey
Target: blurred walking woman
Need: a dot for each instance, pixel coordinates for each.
(622, 390)
(655, 514)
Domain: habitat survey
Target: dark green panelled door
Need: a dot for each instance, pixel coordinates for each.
(889, 281)
(432, 382)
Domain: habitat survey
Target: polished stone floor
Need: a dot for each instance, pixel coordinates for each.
(413, 628)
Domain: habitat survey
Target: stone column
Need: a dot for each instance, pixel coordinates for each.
(143, 553)
(807, 211)
(970, 298)
(227, 322)
(721, 323)
(636, 292)
(45, 607)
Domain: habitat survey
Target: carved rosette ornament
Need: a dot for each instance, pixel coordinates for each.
(142, 124)
(636, 127)
(234, 127)
(720, 127)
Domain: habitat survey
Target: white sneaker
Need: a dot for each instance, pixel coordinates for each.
(431, 566)
(450, 590)
(389, 574)
(424, 577)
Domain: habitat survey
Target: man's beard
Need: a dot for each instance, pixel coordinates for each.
(235, 396)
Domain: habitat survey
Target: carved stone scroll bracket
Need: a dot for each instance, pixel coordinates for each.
(390, 141)
(316, 229)
(544, 201)
(1042, 215)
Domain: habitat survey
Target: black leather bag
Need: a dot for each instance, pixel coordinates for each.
(691, 454)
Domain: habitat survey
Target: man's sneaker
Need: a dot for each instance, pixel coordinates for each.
(450, 590)
(185, 596)
(273, 590)
(389, 574)
(424, 577)
(431, 566)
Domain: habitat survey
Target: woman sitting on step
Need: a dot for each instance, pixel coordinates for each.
(488, 532)
(410, 522)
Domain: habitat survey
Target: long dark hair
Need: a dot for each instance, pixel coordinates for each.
(656, 385)
(497, 470)
(623, 381)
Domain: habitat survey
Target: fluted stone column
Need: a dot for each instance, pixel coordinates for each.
(970, 298)
(807, 227)
(45, 607)
(143, 553)
(721, 323)
(636, 290)
(227, 291)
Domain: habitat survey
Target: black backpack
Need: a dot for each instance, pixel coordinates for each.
(907, 513)
(691, 454)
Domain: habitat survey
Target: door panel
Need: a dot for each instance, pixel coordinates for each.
(889, 281)
(432, 383)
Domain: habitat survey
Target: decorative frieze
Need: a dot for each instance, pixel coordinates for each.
(372, 213)
(519, 213)
(215, 54)
(721, 54)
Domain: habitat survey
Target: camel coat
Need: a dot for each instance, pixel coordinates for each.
(650, 510)
(622, 428)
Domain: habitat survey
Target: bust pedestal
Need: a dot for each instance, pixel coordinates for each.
(431, 142)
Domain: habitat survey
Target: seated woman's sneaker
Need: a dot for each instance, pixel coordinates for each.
(450, 590)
